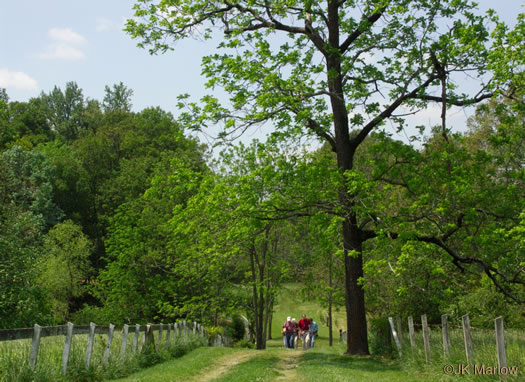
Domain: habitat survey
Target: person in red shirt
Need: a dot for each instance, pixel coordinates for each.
(304, 326)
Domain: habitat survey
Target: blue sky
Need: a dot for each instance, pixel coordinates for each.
(51, 42)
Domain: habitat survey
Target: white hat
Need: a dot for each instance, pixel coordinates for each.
(289, 319)
(293, 319)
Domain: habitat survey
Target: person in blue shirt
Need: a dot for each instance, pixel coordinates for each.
(314, 328)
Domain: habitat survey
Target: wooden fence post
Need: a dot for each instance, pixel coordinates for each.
(142, 339)
(35, 344)
(136, 338)
(467, 335)
(411, 332)
(175, 332)
(91, 340)
(500, 342)
(159, 339)
(110, 340)
(125, 330)
(399, 329)
(167, 344)
(394, 334)
(446, 337)
(426, 337)
(194, 327)
(149, 339)
(67, 347)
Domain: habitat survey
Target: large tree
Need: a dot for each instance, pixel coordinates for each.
(337, 70)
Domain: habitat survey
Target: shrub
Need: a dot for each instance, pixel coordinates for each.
(380, 338)
(245, 344)
(235, 328)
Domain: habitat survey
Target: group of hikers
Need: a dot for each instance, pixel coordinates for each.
(304, 330)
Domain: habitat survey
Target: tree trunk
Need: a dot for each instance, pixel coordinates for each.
(259, 335)
(355, 297)
(267, 309)
(345, 150)
(270, 321)
(330, 334)
(255, 298)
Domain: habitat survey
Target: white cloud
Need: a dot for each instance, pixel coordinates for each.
(65, 46)
(103, 24)
(59, 51)
(17, 80)
(66, 35)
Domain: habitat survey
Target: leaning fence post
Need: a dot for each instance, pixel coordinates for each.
(136, 339)
(426, 337)
(67, 347)
(125, 330)
(394, 333)
(467, 335)
(500, 342)
(411, 332)
(33, 356)
(399, 329)
(446, 337)
(110, 340)
(91, 340)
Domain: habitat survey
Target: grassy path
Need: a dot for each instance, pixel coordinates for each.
(288, 365)
(274, 364)
(223, 365)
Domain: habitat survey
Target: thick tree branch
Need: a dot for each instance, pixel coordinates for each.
(363, 26)
(459, 260)
(356, 141)
(314, 127)
(477, 99)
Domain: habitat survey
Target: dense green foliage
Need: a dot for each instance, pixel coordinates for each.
(71, 170)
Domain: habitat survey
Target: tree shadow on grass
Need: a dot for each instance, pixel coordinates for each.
(347, 362)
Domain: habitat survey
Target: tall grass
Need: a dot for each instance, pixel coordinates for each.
(14, 358)
(484, 344)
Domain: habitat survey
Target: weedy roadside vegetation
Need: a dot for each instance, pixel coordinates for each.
(449, 367)
(15, 367)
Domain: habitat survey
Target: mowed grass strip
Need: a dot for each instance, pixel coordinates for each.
(262, 367)
(325, 364)
(184, 368)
